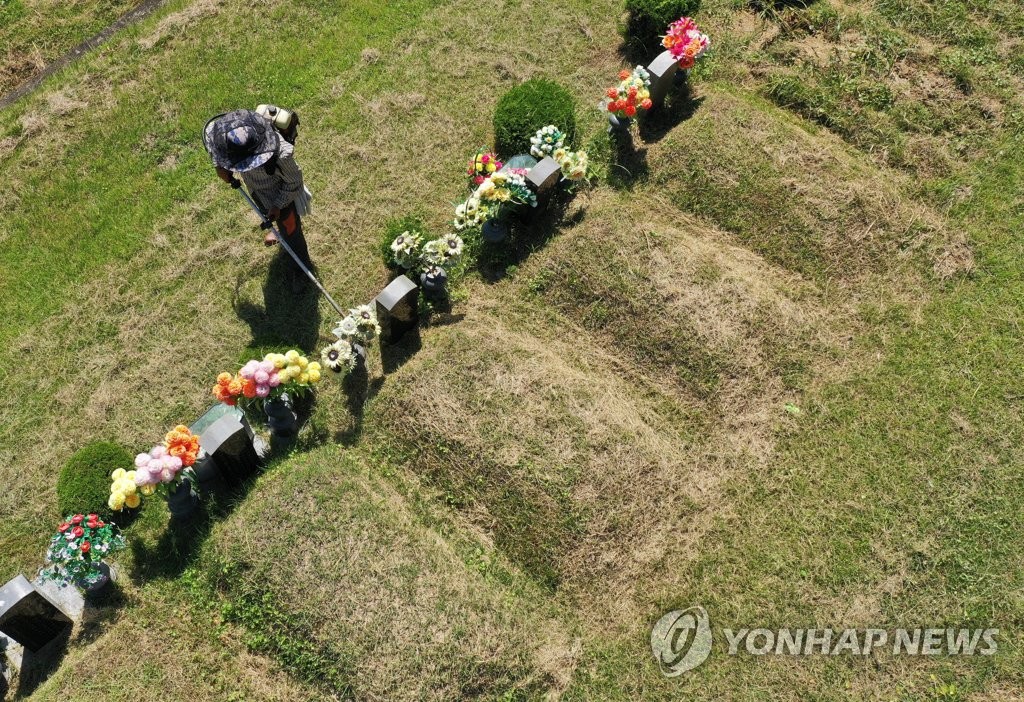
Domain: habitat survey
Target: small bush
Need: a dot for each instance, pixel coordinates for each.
(84, 483)
(526, 108)
(649, 20)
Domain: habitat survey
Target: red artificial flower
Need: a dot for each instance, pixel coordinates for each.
(93, 517)
(646, 104)
(612, 93)
(632, 92)
(630, 111)
(86, 546)
(77, 532)
(624, 74)
(64, 527)
(92, 524)
(77, 519)
(686, 62)
(612, 106)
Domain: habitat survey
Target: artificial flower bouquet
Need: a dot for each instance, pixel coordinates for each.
(406, 250)
(440, 256)
(482, 166)
(546, 141)
(630, 95)
(275, 375)
(360, 326)
(550, 141)
(443, 252)
(162, 470)
(685, 42)
(339, 357)
(493, 193)
(412, 254)
(78, 548)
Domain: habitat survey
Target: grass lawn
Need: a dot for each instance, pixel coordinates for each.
(826, 218)
(35, 32)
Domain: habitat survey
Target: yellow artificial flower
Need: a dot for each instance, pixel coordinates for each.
(314, 366)
(132, 501)
(314, 375)
(302, 362)
(292, 356)
(118, 474)
(147, 490)
(130, 475)
(115, 503)
(304, 378)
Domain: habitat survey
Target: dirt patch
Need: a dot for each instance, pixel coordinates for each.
(953, 260)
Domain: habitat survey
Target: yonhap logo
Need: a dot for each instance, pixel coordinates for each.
(681, 640)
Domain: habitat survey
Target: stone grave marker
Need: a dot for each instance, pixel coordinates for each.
(397, 309)
(663, 73)
(229, 443)
(28, 617)
(543, 178)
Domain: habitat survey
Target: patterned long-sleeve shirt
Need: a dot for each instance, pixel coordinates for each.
(283, 187)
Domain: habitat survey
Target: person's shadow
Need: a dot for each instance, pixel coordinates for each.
(290, 315)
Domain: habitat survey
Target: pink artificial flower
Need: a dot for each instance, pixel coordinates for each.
(142, 460)
(261, 377)
(158, 451)
(262, 390)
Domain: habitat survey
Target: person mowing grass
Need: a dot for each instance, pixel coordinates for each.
(246, 143)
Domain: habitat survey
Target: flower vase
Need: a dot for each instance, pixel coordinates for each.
(102, 586)
(619, 125)
(281, 418)
(494, 230)
(434, 282)
(182, 501)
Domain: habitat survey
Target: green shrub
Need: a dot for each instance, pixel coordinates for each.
(84, 483)
(649, 20)
(526, 108)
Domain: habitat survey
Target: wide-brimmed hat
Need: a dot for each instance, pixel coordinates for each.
(240, 141)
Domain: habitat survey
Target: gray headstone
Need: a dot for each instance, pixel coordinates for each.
(544, 177)
(398, 309)
(229, 443)
(28, 617)
(663, 73)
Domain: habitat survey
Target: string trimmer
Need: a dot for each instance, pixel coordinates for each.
(267, 224)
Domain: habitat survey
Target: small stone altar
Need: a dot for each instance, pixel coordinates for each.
(28, 617)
